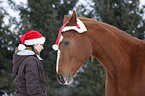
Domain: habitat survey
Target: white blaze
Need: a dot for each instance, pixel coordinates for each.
(58, 54)
(66, 28)
(58, 57)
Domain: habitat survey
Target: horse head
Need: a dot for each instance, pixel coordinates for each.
(73, 50)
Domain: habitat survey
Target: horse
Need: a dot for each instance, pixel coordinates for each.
(122, 55)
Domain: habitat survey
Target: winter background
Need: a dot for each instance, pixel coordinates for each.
(24, 2)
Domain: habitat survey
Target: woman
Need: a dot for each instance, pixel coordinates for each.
(27, 67)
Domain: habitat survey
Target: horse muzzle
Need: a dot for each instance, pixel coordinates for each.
(64, 80)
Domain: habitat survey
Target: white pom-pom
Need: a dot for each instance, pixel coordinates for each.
(21, 47)
(55, 47)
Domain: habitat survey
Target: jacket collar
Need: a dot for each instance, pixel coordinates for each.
(28, 52)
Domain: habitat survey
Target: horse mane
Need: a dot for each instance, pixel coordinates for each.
(114, 30)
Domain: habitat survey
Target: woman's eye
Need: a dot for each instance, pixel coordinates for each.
(66, 43)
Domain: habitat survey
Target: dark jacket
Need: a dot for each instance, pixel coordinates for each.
(30, 77)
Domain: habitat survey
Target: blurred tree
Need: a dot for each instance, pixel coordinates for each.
(46, 17)
(85, 9)
(6, 50)
(90, 81)
(124, 14)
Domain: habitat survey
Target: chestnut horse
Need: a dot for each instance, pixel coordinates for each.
(122, 55)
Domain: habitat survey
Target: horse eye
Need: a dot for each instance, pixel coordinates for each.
(66, 43)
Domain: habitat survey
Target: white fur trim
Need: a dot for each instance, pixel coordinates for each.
(55, 47)
(25, 52)
(80, 23)
(28, 52)
(21, 47)
(35, 41)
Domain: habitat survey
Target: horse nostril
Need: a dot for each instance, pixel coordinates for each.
(60, 78)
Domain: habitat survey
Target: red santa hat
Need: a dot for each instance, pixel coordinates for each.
(31, 38)
(55, 46)
(79, 27)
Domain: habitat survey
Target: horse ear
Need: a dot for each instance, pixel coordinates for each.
(66, 18)
(73, 19)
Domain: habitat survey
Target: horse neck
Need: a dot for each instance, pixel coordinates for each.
(112, 47)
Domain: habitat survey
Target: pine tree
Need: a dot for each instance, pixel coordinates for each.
(90, 81)
(6, 51)
(124, 14)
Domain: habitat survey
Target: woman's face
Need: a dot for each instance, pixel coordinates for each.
(38, 47)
